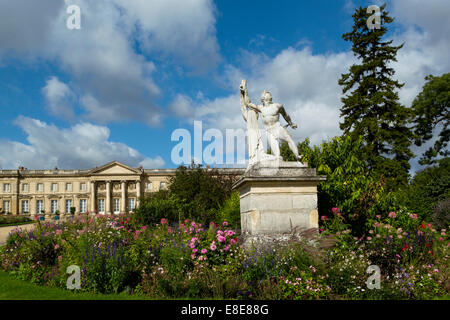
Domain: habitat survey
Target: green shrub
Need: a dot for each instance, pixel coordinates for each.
(199, 192)
(174, 260)
(428, 187)
(350, 185)
(156, 207)
(231, 211)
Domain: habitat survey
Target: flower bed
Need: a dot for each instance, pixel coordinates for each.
(190, 260)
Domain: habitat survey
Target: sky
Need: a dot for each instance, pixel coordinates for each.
(137, 70)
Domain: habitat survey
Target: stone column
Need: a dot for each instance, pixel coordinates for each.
(92, 196)
(108, 198)
(47, 205)
(76, 204)
(123, 204)
(32, 206)
(138, 192)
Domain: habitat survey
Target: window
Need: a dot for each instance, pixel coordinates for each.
(82, 186)
(25, 187)
(25, 208)
(6, 206)
(68, 205)
(68, 187)
(131, 204)
(116, 205)
(162, 186)
(54, 206)
(54, 187)
(39, 206)
(6, 187)
(101, 205)
(83, 205)
(150, 186)
(40, 187)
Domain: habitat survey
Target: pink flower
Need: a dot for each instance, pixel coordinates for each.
(204, 251)
(413, 216)
(369, 238)
(221, 238)
(193, 224)
(233, 241)
(213, 247)
(323, 218)
(225, 224)
(144, 228)
(194, 250)
(226, 248)
(371, 231)
(192, 256)
(164, 221)
(378, 216)
(220, 232)
(59, 231)
(392, 214)
(230, 233)
(335, 210)
(56, 246)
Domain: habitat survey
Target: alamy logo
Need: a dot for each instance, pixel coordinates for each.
(74, 281)
(74, 20)
(374, 21)
(373, 282)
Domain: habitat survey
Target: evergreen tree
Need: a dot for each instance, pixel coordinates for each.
(371, 106)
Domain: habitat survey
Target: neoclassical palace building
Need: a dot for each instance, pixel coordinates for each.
(111, 189)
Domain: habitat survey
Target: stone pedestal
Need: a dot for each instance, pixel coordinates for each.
(277, 199)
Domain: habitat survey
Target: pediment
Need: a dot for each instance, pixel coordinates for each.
(114, 168)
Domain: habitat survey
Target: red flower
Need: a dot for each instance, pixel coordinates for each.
(428, 245)
(422, 226)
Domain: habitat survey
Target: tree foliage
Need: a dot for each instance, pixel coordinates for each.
(428, 187)
(371, 106)
(349, 185)
(432, 110)
(194, 193)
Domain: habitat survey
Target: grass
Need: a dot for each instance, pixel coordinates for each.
(13, 289)
(17, 224)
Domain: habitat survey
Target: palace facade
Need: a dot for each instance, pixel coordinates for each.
(111, 189)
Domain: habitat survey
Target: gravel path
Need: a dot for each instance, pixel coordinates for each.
(4, 231)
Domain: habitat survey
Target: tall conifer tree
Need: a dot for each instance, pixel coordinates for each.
(371, 106)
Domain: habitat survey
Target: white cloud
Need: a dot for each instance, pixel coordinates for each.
(181, 106)
(81, 146)
(107, 71)
(59, 97)
(182, 30)
(149, 163)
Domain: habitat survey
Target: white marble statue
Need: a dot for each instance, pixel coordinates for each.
(255, 145)
(270, 114)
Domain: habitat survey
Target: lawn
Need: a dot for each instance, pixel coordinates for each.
(12, 289)
(16, 224)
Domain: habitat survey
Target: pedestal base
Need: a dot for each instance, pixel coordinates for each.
(277, 201)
